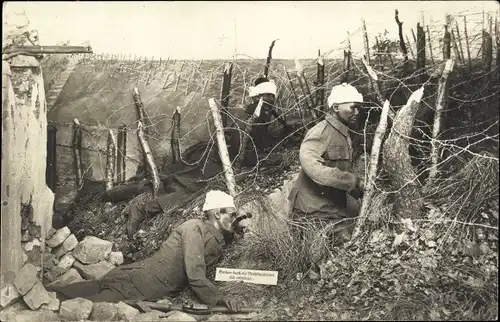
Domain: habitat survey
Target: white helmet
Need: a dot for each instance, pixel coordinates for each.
(216, 199)
(344, 93)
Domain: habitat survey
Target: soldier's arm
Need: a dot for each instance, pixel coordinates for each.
(193, 245)
(311, 153)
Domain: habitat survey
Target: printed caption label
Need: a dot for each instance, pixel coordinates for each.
(246, 276)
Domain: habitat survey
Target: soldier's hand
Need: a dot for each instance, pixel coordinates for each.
(232, 304)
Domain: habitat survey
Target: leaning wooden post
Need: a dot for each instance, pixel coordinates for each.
(346, 67)
(148, 155)
(223, 152)
(456, 50)
(488, 53)
(176, 135)
(248, 128)
(366, 43)
(460, 47)
(305, 87)
(295, 95)
(320, 90)
(467, 45)
(402, 44)
(441, 102)
(225, 90)
(446, 44)
(141, 111)
(110, 160)
(397, 160)
(410, 47)
(76, 143)
(430, 45)
(376, 86)
(268, 60)
(421, 53)
(122, 153)
(372, 172)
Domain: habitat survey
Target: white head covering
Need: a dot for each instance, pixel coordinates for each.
(262, 88)
(344, 93)
(217, 199)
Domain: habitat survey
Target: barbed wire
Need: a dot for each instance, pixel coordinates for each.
(101, 77)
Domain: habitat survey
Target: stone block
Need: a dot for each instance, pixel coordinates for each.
(37, 296)
(116, 258)
(59, 237)
(178, 316)
(70, 277)
(26, 278)
(75, 309)
(8, 295)
(68, 245)
(66, 262)
(126, 312)
(93, 271)
(103, 311)
(53, 304)
(92, 250)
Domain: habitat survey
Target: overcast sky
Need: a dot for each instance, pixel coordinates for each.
(216, 30)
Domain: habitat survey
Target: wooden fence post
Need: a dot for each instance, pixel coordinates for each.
(122, 153)
(456, 50)
(446, 44)
(320, 79)
(410, 48)
(467, 45)
(402, 44)
(366, 43)
(223, 152)
(488, 53)
(226, 90)
(346, 67)
(51, 170)
(110, 160)
(441, 101)
(459, 40)
(294, 92)
(76, 143)
(176, 135)
(430, 44)
(421, 53)
(305, 88)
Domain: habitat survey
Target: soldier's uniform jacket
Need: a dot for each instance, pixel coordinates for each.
(325, 177)
(183, 259)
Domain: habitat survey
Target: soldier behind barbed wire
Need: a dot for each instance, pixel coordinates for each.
(185, 259)
(326, 189)
(201, 162)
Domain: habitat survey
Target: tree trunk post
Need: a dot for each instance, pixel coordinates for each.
(397, 160)
(467, 45)
(421, 53)
(176, 135)
(122, 153)
(223, 152)
(76, 143)
(225, 91)
(372, 171)
(441, 102)
(460, 47)
(430, 45)
(366, 43)
(110, 160)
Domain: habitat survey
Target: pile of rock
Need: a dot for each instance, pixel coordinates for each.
(66, 261)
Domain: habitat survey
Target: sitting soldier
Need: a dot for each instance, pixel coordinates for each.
(327, 189)
(192, 249)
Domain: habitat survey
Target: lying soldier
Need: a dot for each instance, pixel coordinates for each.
(192, 249)
(186, 180)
